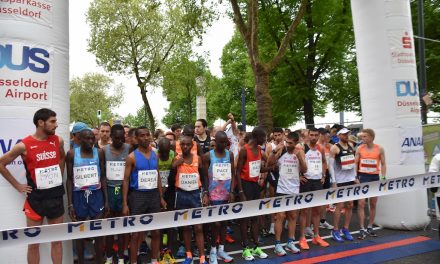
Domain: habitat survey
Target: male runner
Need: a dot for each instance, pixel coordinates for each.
(77, 127)
(115, 155)
(370, 162)
(201, 136)
(289, 163)
(43, 157)
(218, 164)
(86, 187)
(248, 174)
(189, 181)
(343, 173)
(312, 180)
(177, 130)
(104, 135)
(324, 144)
(142, 190)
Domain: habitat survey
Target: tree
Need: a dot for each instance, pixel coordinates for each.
(91, 93)
(138, 37)
(249, 31)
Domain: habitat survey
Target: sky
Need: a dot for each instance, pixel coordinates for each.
(216, 37)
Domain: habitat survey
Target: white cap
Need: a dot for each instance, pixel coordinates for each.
(343, 131)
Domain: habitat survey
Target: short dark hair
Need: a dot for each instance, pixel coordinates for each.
(203, 121)
(188, 129)
(105, 123)
(139, 128)
(313, 129)
(174, 127)
(43, 114)
(158, 132)
(116, 128)
(126, 126)
(132, 131)
(293, 135)
(323, 131)
(277, 130)
(258, 132)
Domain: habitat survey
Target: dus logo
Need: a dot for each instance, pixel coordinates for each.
(406, 88)
(32, 58)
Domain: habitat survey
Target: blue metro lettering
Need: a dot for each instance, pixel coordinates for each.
(431, 179)
(197, 213)
(223, 209)
(10, 233)
(36, 231)
(177, 214)
(236, 208)
(262, 203)
(70, 226)
(129, 221)
(210, 210)
(95, 225)
(146, 219)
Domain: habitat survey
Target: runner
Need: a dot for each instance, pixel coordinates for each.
(312, 180)
(104, 135)
(201, 135)
(343, 173)
(142, 190)
(96, 133)
(115, 155)
(249, 169)
(290, 163)
(219, 166)
(77, 127)
(370, 162)
(177, 130)
(189, 180)
(43, 157)
(324, 144)
(86, 187)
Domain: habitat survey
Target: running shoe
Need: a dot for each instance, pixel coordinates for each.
(317, 240)
(188, 261)
(264, 232)
(247, 255)
(325, 225)
(221, 255)
(362, 234)
(229, 230)
(308, 232)
(371, 232)
(122, 261)
(272, 230)
(213, 257)
(303, 244)
(279, 251)
(167, 257)
(181, 252)
(229, 239)
(195, 252)
(143, 249)
(346, 234)
(165, 239)
(259, 252)
(290, 246)
(336, 235)
(109, 261)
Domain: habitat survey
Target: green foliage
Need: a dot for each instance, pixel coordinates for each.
(138, 119)
(93, 92)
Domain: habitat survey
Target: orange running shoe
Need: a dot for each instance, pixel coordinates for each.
(229, 239)
(319, 241)
(303, 244)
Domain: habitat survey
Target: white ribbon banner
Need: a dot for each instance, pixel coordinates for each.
(139, 223)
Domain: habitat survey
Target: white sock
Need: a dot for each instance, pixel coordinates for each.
(221, 247)
(272, 226)
(213, 250)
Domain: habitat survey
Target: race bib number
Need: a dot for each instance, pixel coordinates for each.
(48, 177)
(221, 171)
(347, 162)
(115, 170)
(85, 176)
(147, 179)
(368, 165)
(164, 177)
(189, 181)
(314, 167)
(289, 171)
(254, 168)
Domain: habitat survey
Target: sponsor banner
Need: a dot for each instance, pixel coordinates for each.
(401, 48)
(10, 137)
(25, 74)
(34, 11)
(396, 8)
(411, 146)
(407, 98)
(138, 223)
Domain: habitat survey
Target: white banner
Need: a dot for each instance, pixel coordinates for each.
(411, 146)
(407, 98)
(401, 48)
(138, 223)
(34, 11)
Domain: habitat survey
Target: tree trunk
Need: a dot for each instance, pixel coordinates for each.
(424, 112)
(309, 113)
(263, 98)
(147, 108)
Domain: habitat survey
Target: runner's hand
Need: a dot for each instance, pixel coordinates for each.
(205, 200)
(357, 181)
(322, 179)
(125, 210)
(24, 188)
(242, 197)
(334, 185)
(163, 204)
(72, 213)
(303, 179)
(231, 197)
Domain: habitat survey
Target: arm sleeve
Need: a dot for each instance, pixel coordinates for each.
(331, 169)
(435, 164)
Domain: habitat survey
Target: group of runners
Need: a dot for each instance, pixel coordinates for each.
(117, 171)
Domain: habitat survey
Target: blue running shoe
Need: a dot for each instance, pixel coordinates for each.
(188, 261)
(336, 235)
(229, 230)
(346, 234)
(181, 252)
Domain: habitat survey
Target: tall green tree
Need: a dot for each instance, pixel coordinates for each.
(91, 93)
(138, 37)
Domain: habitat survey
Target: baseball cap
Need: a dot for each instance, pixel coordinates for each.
(78, 127)
(343, 131)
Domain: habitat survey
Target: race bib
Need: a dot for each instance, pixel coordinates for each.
(147, 179)
(85, 176)
(347, 162)
(164, 177)
(115, 170)
(189, 181)
(254, 168)
(48, 177)
(314, 167)
(289, 171)
(221, 171)
(368, 165)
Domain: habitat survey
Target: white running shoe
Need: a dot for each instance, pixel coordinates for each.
(292, 248)
(326, 225)
(308, 232)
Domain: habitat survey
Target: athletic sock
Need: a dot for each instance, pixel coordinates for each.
(213, 250)
(189, 254)
(277, 242)
(290, 240)
(202, 258)
(221, 247)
